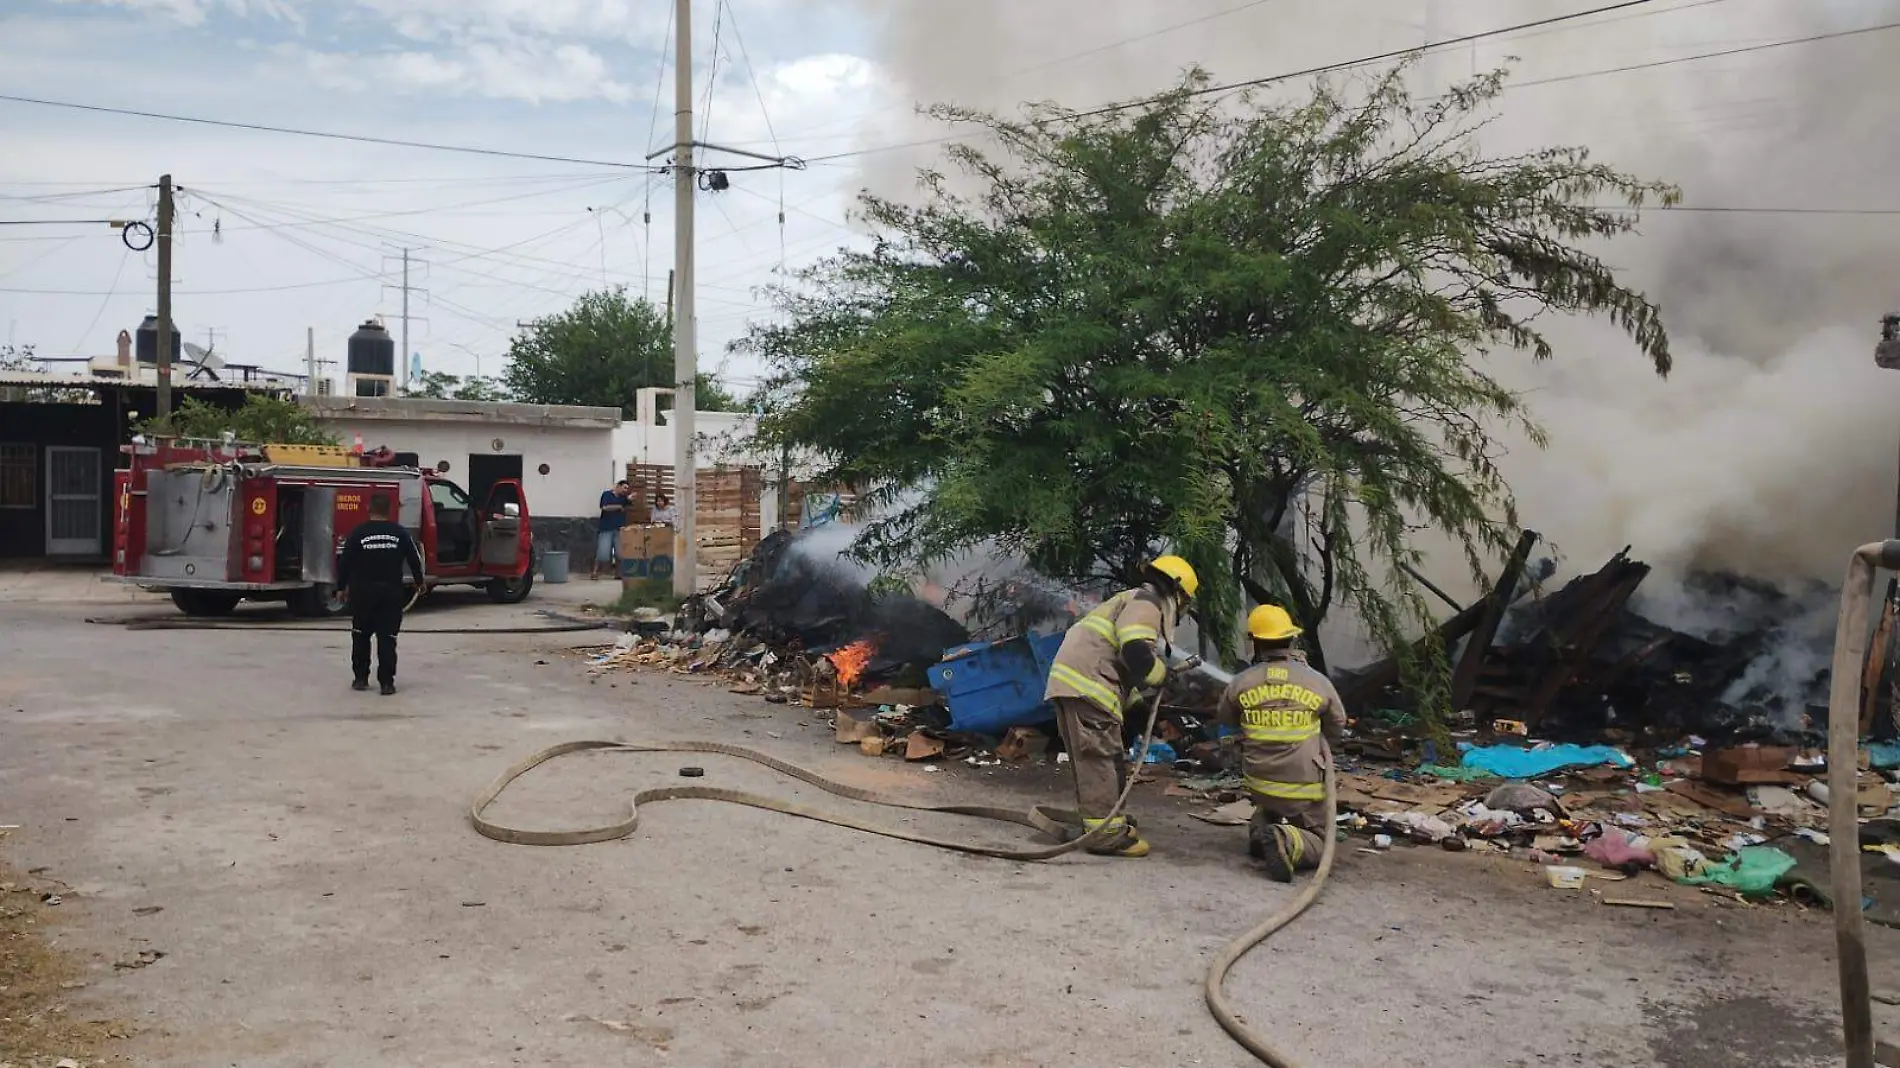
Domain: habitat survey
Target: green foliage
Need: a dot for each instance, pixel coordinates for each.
(22, 358)
(599, 352)
(439, 385)
(645, 594)
(19, 358)
(1246, 332)
(260, 419)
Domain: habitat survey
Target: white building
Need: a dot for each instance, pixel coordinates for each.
(563, 456)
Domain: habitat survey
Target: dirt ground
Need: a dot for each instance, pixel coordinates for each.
(301, 856)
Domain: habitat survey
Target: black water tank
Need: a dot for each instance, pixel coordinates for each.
(145, 343)
(372, 350)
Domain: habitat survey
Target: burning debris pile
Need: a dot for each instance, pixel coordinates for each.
(1746, 662)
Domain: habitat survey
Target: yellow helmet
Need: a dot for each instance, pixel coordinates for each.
(1181, 572)
(1270, 623)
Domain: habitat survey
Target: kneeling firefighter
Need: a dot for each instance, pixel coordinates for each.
(1109, 660)
(1287, 713)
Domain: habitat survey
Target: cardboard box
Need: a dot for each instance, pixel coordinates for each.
(1747, 765)
(646, 554)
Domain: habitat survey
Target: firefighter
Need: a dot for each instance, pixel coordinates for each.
(1110, 659)
(1287, 714)
(369, 571)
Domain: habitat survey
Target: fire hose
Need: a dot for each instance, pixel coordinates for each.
(1062, 824)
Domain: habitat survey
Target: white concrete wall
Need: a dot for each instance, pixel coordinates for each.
(581, 462)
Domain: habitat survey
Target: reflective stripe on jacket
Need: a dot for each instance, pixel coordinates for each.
(1281, 706)
(1089, 664)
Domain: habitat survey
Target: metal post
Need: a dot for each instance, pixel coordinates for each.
(310, 360)
(685, 354)
(164, 297)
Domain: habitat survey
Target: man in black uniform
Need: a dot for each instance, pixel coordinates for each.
(369, 571)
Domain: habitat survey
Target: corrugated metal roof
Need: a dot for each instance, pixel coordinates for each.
(55, 381)
(429, 410)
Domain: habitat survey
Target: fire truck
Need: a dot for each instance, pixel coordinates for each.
(219, 522)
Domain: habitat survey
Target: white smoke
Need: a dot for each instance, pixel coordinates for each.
(1770, 450)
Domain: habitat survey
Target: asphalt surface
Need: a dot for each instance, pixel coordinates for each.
(324, 902)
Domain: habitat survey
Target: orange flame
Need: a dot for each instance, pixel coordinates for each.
(851, 661)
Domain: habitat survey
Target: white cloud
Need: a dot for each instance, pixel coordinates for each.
(533, 71)
(193, 12)
(434, 20)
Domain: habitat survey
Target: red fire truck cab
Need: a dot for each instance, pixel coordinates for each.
(216, 523)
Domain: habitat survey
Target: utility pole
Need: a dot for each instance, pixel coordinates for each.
(685, 354)
(164, 297)
(310, 360)
(402, 357)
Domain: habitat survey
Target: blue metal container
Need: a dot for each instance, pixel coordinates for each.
(993, 686)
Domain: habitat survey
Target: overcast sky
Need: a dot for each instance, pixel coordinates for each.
(279, 233)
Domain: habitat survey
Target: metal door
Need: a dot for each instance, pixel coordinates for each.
(75, 506)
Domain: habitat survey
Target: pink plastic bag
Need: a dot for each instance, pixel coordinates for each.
(1619, 849)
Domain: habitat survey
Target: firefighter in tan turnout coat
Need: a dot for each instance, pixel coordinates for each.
(1108, 659)
(1287, 713)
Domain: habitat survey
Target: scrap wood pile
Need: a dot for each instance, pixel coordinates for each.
(1581, 664)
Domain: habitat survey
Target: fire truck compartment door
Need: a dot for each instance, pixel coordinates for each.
(190, 533)
(319, 534)
(504, 529)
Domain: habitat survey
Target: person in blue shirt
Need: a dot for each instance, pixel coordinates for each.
(613, 516)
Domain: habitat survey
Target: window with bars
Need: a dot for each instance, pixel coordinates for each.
(19, 482)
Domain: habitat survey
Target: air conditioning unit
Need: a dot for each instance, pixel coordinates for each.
(326, 387)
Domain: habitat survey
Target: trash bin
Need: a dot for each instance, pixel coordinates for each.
(554, 566)
(991, 687)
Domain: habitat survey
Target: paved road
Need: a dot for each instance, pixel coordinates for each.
(325, 903)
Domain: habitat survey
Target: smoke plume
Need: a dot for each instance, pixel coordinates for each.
(1770, 451)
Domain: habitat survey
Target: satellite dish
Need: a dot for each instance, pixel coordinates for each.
(205, 361)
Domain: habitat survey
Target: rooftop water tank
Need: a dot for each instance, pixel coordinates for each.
(372, 351)
(146, 343)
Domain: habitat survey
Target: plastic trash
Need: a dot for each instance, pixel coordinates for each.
(1519, 797)
(1753, 870)
(1511, 762)
(1421, 825)
(1884, 754)
(1565, 877)
(1158, 753)
(1455, 774)
(1618, 849)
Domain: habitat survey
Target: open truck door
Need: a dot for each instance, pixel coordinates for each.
(507, 550)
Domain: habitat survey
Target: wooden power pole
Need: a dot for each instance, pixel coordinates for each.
(164, 297)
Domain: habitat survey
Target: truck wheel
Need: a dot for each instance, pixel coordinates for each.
(511, 591)
(204, 602)
(320, 601)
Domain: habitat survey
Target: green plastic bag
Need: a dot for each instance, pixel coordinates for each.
(1752, 870)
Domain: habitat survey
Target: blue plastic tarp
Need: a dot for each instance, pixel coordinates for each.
(1884, 754)
(1510, 762)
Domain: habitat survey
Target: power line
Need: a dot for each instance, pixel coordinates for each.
(1743, 50)
(595, 181)
(1555, 79)
(815, 133)
(753, 73)
(330, 135)
(1329, 68)
(1383, 57)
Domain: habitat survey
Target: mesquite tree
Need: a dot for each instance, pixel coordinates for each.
(1246, 332)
